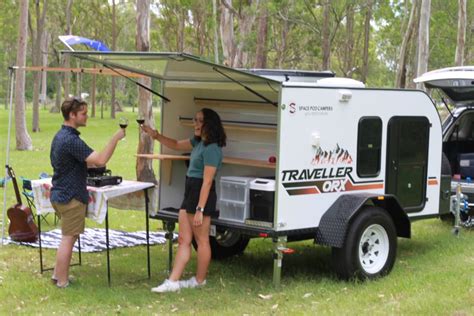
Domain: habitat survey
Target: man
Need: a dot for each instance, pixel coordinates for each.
(70, 157)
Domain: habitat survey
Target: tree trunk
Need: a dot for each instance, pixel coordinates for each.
(226, 27)
(365, 56)
(246, 20)
(326, 34)
(461, 40)
(402, 57)
(93, 90)
(114, 47)
(144, 167)
(23, 139)
(66, 64)
(44, 63)
(348, 62)
(261, 54)
(181, 17)
(285, 29)
(37, 39)
(423, 39)
(216, 36)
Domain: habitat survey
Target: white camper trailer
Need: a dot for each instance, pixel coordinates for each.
(308, 157)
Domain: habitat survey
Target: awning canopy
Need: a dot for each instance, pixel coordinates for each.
(171, 66)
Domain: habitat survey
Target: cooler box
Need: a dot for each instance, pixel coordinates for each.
(466, 165)
(234, 203)
(262, 199)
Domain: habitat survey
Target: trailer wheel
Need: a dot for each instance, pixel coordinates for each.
(370, 247)
(226, 244)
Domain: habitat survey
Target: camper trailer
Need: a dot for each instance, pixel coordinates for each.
(308, 156)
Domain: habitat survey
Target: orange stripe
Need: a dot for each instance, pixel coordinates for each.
(303, 191)
(432, 182)
(352, 187)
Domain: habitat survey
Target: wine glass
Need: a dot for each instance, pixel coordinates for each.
(140, 119)
(123, 123)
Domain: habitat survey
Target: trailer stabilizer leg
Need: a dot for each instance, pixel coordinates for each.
(169, 226)
(279, 248)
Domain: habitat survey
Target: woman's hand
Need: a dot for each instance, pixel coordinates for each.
(198, 216)
(150, 131)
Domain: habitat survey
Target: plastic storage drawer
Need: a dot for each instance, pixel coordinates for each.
(233, 211)
(235, 189)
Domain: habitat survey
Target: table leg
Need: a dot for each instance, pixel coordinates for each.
(79, 247)
(107, 243)
(147, 234)
(40, 246)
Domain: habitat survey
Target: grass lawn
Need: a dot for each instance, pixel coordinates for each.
(433, 273)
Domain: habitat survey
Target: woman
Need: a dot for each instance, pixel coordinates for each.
(199, 196)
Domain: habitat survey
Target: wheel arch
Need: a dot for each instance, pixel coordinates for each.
(332, 229)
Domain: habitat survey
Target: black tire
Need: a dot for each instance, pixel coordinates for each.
(378, 254)
(448, 218)
(226, 244)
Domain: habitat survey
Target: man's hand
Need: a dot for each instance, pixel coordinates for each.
(198, 216)
(150, 131)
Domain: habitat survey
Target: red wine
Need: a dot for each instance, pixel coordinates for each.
(140, 121)
(123, 125)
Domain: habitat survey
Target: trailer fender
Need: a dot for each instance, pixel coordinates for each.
(335, 222)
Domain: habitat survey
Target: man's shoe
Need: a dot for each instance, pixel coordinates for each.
(166, 286)
(54, 280)
(191, 283)
(62, 286)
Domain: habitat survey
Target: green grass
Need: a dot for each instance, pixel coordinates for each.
(433, 274)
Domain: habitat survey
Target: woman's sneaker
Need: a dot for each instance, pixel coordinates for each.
(166, 286)
(191, 283)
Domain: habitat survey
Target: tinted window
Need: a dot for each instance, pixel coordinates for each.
(369, 146)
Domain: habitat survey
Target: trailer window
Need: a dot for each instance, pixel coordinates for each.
(369, 147)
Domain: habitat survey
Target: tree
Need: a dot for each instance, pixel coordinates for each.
(262, 34)
(235, 48)
(461, 38)
(326, 36)
(403, 56)
(37, 40)
(365, 56)
(423, 39)
(144, 167)
(23, 139)
(114, 47)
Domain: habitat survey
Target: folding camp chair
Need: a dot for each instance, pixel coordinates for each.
(28, 194)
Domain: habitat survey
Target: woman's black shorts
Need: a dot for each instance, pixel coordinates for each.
(191, 196)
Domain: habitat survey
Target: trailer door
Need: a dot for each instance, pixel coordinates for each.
(407, 160)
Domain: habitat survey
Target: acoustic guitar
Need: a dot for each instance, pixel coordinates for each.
(22, 226)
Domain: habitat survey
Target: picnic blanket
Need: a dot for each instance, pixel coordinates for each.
(93, 239)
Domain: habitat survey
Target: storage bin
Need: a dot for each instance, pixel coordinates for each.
(466, 165)
(235, 189)
(233, 211)
(262, 200)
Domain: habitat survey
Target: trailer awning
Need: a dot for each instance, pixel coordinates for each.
(170, 66)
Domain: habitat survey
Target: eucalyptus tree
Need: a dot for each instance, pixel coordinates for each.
(23, 139)
(144, 167)
(461, 38)
(37, 36)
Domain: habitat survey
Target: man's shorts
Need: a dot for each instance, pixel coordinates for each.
(73, 217)
(192, 192)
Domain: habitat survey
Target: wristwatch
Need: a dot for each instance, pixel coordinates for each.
(200, 209)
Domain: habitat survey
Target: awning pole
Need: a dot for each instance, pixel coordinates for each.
(11, 76)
